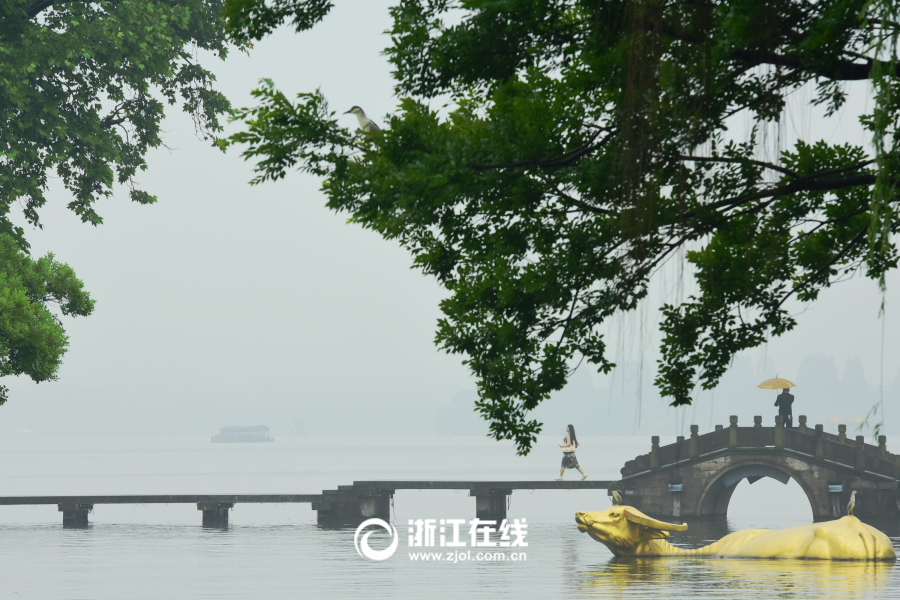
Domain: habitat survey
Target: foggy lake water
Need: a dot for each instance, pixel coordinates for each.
(277, 551)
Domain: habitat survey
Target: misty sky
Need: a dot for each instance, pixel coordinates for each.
(226, 304)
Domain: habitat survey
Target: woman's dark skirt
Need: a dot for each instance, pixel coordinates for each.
(569, 461)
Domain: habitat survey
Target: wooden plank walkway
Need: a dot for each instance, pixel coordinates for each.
(348, 505)
(402, 484)
(160, 499)
(308, 498)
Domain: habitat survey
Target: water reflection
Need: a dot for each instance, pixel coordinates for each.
(679, 577)
(737, 578)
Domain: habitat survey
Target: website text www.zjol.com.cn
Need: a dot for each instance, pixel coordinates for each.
(467, 556)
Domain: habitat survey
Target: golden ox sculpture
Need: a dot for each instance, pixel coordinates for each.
(627, 531)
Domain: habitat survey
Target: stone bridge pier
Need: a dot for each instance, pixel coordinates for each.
(491, 505)
(348, 507)
(75, 514)
(215, 514)
(696, 477)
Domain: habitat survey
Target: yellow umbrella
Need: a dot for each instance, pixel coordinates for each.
(778, 383)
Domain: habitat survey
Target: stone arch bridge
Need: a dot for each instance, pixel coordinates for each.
(696, 477)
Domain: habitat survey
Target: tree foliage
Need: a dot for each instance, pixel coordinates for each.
(32, 339)
(82, 92)
(83, 89)
(252, 20)
(586, 143)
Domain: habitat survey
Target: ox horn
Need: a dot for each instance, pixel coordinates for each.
(635, 516)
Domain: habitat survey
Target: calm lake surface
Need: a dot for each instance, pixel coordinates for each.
(277, 551)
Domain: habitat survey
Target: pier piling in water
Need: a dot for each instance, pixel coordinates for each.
(348, 507)
(215, 514)
(74, 514)
(490, 505)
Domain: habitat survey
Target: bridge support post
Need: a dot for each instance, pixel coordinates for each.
(757, 421)
(882, 446)
(819, 452)
(490, 505)
(694, 449)
(215, 514)
(349, 508)
(842, 434)
(859, 457)
(779, 431)
(732, 432)
(654, 453)
(75, 515)
(803, 428)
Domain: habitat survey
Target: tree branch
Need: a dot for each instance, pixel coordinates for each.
(581, 204)
(822, 224)
(112, 122)
(38, 6)
(826, 266)
(740, 161)
(568, 320)
(840, 70)
(802, 185)
(563, 160)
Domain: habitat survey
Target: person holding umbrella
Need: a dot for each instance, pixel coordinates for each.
(785, 399)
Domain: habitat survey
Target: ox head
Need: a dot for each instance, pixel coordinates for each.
(623, 528)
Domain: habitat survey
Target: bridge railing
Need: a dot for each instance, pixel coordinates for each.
(800, 441)
(712, 441)
(803, 440)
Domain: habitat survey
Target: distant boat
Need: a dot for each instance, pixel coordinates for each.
(252, 433)
(21, 432)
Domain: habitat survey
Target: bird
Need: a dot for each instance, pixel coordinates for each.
(852, 504)
(617, 497)
(365, 123)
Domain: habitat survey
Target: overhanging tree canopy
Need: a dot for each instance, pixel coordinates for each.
(32, 339)
(587, 143)
(82, 92)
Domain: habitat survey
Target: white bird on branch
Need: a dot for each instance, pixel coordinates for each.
(365, 123)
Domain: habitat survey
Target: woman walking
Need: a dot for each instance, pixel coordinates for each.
(570, 443)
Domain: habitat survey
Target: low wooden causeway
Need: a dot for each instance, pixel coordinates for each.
(348, 505)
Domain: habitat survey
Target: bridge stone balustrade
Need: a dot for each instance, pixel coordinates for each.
(696, 477)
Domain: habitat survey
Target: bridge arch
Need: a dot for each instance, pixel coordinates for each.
(716, 494)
